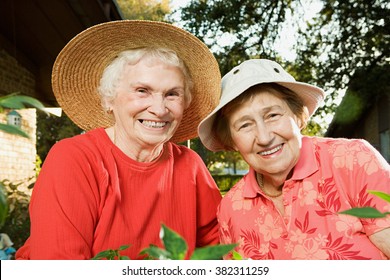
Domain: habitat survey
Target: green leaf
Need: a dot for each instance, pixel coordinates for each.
(157, 253)
(215, 252)
(237, 256)
(123, 247)
(11, 129)
(111, 254)
(365, 212)
(3, 205)
(382, 195)
(174, 243)
(15, 101)
(107, 254)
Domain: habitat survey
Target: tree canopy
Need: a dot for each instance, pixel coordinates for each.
(236, 30)
(144, 9)
(343, 38)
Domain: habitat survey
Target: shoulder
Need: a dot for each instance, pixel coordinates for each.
(350, 155)
(236, 192)
(180, 152)
(91, 143)
(340, 147)
(347, 144)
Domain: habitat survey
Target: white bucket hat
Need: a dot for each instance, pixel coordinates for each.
(247, 74)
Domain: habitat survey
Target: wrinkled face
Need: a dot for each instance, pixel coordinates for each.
(150, 103)
(267, 134)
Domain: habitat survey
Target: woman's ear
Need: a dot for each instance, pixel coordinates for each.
(300, 123)
(234, 147)
(303, 119)
(107, 105)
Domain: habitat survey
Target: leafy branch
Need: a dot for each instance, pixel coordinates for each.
(369, 212)
(16, 101)
(175, 249)
(112, 254)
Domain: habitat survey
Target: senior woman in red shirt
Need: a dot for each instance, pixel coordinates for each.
(287, 206)
(137, 88)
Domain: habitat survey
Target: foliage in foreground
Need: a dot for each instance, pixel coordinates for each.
(13, 101)
(369, 212)
(16, 101)
(175, 249)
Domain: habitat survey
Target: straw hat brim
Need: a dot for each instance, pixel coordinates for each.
(79, 67)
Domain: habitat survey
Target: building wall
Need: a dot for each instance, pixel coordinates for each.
(17, 154)
(368, 129)
(13, 76)
(375, 122)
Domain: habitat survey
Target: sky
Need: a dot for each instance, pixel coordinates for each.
(284, 45)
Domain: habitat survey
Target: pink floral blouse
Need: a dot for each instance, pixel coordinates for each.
(331, 175)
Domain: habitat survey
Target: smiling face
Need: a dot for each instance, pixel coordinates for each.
(266, 132)
(149, 104)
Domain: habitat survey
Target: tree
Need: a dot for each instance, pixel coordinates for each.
(144, 9)
(232, 160)
(236, 30)
(51, 129)
(346, 37)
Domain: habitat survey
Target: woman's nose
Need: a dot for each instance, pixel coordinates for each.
(158, 106)
(263, 135)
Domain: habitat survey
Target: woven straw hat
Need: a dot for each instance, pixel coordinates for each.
(79, 67)
(247, 74)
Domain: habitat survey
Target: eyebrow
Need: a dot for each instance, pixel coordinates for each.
(249, 116)
(146, 85)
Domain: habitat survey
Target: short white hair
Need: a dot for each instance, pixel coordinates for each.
(113, 72)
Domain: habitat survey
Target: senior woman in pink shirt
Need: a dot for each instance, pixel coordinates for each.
(288, 205)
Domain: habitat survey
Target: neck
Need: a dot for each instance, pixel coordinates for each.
(135, 152)
(268, 189)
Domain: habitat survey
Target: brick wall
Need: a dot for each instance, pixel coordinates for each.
(17, 154)
(13, 76)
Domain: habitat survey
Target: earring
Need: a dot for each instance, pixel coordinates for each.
(109, 111)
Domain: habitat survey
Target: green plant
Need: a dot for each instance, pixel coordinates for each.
(13, 204)
(226, 181)
(175, 249)
(16, 101)
(3, 205)
(112, 254)
(17, 220)
(369, 212)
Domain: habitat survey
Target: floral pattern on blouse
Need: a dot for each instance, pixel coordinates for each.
(331, 176)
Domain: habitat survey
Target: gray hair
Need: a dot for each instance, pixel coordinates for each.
(113, 72)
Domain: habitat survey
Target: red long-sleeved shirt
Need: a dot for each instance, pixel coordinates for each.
(91, 197)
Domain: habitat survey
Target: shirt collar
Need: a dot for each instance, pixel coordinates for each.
(307, 165)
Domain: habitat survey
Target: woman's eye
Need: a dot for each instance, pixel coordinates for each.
(141, 90)
(273, 116)
(244, 125)
(172, 93)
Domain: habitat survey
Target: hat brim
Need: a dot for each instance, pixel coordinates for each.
(311, 96)
(79, 66)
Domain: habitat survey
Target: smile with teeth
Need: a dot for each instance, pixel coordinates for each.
(153, 124)
(274, 150)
